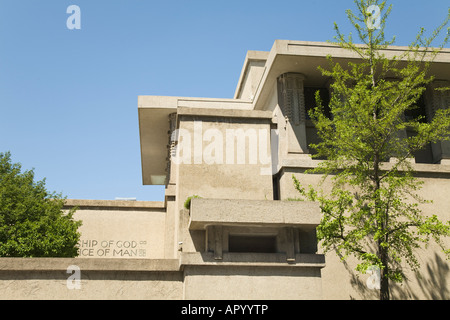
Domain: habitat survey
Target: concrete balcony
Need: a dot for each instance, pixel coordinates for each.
(254, 213)
(280, 230)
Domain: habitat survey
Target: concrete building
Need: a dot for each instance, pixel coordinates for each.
(240, 238)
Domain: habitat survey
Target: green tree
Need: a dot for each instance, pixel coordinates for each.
(372, 211)
(32, 223)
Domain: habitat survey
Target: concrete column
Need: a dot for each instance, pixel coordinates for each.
(218, 242)
(289, 244)
(292, 104)
(173, 140)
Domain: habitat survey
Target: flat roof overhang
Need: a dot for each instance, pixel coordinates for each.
(305, 57)
(154, 126)
(285, 56)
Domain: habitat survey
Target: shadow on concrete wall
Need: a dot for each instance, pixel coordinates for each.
(359, 286)
(432, 283)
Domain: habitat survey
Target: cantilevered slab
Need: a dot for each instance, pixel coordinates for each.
(305, 57)
(154, 114)
(205, 212)
(154, 126)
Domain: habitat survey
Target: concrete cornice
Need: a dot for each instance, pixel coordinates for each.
(159, 265)
(252, 260)
(225, 113)
(322, 49)
(419, 168)
(113, 204)
(88, 264)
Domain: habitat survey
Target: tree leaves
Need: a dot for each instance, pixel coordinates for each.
(373, 210)
(32, 223)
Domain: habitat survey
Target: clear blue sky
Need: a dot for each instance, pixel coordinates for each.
(68, 98)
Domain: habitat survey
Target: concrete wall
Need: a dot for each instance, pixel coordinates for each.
(229, 283)
(40, 278)
(341, 281)
(227, 179)
(166, 273)
(120, 229)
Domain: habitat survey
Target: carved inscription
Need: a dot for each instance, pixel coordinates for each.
(112, 248)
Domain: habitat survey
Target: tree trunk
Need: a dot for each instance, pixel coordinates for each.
(381, 223)
(384, 290)
(384, 280)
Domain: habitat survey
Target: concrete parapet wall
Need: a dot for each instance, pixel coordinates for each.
(120, 229)
(161, 279)
(49, 278)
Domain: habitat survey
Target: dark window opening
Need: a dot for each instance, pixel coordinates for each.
(252, 243)
(276, 187)
(310, 103)
(310, 100)
(418, 112)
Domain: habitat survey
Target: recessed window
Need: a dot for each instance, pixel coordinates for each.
(252, 243)
(310, 100)
(419, 112)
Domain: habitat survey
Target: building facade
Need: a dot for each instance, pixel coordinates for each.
(226, 228)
